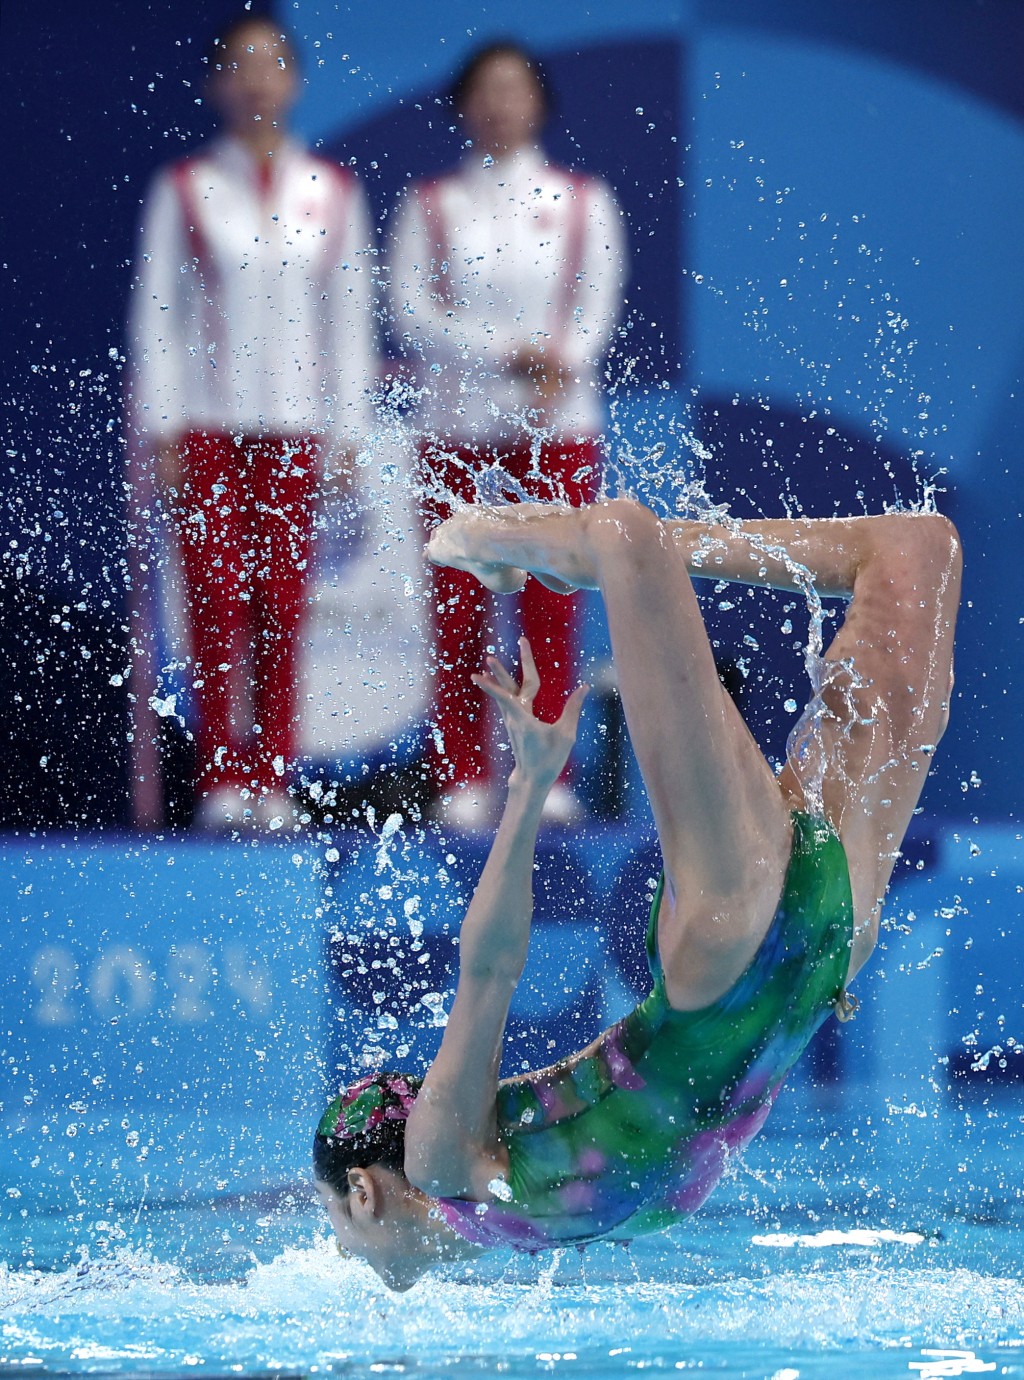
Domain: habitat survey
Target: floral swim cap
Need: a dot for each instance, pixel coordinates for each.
(361, 1108)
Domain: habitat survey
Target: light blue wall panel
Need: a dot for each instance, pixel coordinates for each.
(164, 1005)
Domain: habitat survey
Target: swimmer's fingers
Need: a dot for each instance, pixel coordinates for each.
(503, 675)
(497, 677)
(490, 686)
(499, 685)
(540, 749)
(515, 706)
(569, 719)
(531, 677)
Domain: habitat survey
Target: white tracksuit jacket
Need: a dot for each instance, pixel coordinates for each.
(252, 308)
(499, 256)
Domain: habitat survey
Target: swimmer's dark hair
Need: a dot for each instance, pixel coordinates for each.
(505, 47)
(364, 1125)
(262, 18)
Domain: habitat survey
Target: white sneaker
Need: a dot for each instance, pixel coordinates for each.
(562, 805)
(222, 809)
(467, 808)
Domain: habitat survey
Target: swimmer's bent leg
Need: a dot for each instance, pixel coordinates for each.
(887, 673)
(722, 823)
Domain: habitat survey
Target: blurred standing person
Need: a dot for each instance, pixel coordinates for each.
(253, 354)
(507, 276)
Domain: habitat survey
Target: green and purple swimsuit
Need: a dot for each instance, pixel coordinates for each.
(633, 1136)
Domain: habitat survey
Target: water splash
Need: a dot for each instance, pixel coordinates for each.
(307, 1309)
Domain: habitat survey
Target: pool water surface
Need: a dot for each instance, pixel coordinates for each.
(857, 1238)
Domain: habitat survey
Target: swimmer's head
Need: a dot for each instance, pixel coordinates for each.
(359, 1169)
(364, 1125)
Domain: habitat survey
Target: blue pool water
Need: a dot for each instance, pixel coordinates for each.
(853, 1241)
(170, 1019)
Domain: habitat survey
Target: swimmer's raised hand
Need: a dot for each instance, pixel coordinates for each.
(452, 1146)
(540, 750)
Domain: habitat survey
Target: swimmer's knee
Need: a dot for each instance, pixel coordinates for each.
(922, 548)
(943, 534)
(937, 544)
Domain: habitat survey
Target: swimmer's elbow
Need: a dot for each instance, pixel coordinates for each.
(422, 1163)
(492, 977)
(419, 1174)
(438, 1176)
(436, 1147)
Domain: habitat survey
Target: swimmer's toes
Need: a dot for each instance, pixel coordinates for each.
(444, 546)
(451, 542)
(435, 549)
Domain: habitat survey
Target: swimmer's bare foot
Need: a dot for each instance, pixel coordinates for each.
(453, 542)
(524, 512)
(500, 545)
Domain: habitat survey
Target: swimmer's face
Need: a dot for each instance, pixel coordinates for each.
(504, 105)
(372, 1225)
(257, 79)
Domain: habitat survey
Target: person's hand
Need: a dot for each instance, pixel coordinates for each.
(540, 750)
(168, 471)
(544, 371)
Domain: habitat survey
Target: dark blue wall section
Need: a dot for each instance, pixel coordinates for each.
(95, 97)
(782, 463)
(966, 43)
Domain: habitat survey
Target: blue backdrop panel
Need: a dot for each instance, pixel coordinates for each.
(162, 1004)
(170, 1028)
(942, 1002)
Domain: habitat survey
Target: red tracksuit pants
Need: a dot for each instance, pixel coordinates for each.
(245, 527)
(462, 608)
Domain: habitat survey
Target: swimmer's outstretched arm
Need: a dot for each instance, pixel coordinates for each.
(452, 1146)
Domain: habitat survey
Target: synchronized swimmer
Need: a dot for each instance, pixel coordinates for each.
(768, 906)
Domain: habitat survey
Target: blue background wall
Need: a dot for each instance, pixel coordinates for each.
(840, 273)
